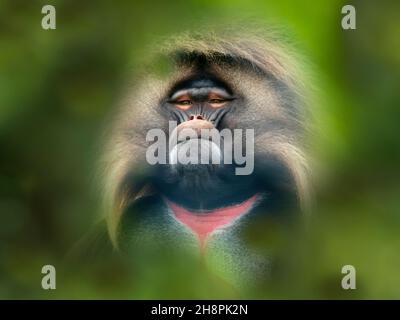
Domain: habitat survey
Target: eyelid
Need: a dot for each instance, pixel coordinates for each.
(186, 97)
(178, 98)
(176, 101)
(180, 103)
(217, 98)
(183, 102)
(222, 99)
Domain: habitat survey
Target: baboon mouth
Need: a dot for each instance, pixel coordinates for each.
(196, 151)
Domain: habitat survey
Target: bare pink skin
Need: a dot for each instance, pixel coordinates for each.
(203, 224)
(194, 124)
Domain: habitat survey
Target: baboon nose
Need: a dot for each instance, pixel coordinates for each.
(198, 117)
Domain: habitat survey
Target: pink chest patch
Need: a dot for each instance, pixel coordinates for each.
(204, 223)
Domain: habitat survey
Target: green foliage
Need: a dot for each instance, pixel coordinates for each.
(57, 91)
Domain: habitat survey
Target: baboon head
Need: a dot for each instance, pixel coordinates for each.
(245, 91)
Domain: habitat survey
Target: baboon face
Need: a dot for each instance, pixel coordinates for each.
(203, 103)
(241, 91)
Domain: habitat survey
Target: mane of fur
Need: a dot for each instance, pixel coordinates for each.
(261, 54)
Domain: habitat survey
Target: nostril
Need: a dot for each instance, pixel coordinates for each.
(191, 118)
(199, 117)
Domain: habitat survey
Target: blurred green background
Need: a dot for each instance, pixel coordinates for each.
(58, 88)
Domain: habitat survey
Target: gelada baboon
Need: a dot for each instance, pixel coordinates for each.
(229, 83)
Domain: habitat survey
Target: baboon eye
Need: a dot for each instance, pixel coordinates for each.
(217, 101)
(183, 104)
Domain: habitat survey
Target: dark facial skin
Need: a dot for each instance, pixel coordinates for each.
(202, 97)
(202, 102)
